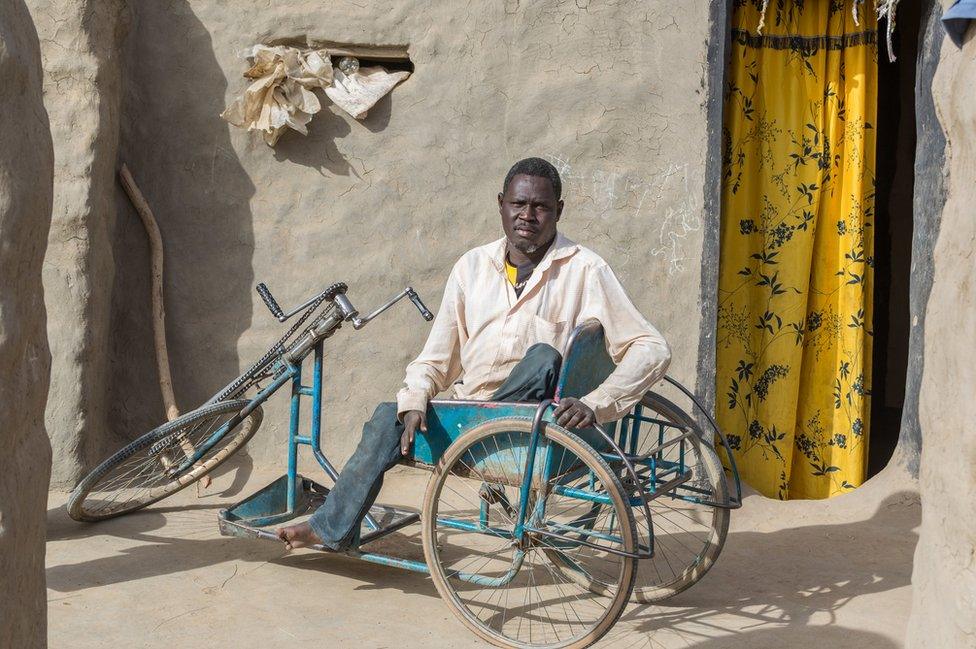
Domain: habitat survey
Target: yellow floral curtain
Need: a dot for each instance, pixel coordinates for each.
(796, 273)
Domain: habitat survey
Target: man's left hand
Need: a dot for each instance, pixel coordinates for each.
(573, 413)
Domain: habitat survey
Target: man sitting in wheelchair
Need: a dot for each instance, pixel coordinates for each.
(508, 307)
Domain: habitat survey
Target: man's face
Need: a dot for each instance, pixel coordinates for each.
(529, 212)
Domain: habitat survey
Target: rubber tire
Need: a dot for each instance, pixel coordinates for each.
(720, 516)
(585, 452)
(245, 430)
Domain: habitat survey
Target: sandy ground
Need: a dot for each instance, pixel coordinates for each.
(799, 574)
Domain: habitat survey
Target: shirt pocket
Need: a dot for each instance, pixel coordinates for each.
(541, 330)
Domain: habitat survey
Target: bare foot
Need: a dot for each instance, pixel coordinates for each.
(297, 536)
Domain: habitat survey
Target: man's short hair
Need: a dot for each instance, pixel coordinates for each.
(535, 167)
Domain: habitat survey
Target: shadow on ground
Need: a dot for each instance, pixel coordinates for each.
(60, 527)
(779, 581)
(186, 542)
(811, 636)
(768, 589)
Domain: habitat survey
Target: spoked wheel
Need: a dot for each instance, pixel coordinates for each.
(689, 528)
(147, 470)
(507, 590)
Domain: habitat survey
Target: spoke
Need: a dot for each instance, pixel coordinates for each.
(554, 609)
(683, 531)
(143, 477)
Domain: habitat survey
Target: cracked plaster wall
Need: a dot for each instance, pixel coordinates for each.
(80, 42)
(615, 94)
(621, 97)
(944, 576)
(25, 215)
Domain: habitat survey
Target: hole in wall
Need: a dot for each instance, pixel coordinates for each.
(391, 57)
(380, 69)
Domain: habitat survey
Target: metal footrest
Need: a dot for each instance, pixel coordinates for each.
(269, 506)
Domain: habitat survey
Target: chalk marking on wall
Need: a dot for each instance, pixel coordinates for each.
(615, 194)
(677, 224)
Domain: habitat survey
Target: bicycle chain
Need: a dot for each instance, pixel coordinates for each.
(253, 373)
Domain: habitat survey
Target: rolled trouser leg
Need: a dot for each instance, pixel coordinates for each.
(534, 377)
(338, 519)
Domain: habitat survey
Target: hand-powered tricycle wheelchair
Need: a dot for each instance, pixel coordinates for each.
(534, 535)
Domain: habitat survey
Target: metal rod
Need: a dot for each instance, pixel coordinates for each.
(384, 560)
(735, 502)
(584, 532)
(539, 511)
(316, 433)
(660, 447)
(252, 405)
(296, 385)
(466, 526)
(315, 440)
(530, 466)
(389, 529)
(316, 394)
(298, 308)
(592, 496)
(325, 464)
(634, 430)
(637, 482)
(665, 422)
(359, 323)
(583, 494)
(595, 546)
(494, 582)
(668, 486)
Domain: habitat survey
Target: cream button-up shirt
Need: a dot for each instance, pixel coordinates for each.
(483, 329)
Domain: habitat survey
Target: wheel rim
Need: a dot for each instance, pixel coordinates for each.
(148, 471)
(509, 592)
(688, 536)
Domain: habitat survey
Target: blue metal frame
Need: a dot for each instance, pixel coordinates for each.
(585, 366)
(291, 495)
(734, 501)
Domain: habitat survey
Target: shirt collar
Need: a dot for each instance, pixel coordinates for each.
(561, 248)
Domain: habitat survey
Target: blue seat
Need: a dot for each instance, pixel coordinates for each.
(586, 364)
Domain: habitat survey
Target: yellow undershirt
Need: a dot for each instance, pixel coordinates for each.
(511, 271)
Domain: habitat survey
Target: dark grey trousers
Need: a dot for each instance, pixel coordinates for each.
(337, 521)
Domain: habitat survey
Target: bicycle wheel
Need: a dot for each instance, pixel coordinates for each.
(688, 534)
(507, 591)
(144, 472)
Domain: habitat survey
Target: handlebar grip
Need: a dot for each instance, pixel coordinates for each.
(270, 302)
(417, 302)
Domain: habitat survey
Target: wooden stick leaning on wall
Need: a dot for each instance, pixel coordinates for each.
(158, 310)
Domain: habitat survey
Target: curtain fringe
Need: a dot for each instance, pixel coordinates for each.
(884, 9)
(887, 9)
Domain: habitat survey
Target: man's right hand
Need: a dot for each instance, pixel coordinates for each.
(412, 419)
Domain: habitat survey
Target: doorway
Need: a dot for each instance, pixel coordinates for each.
(894, 188)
